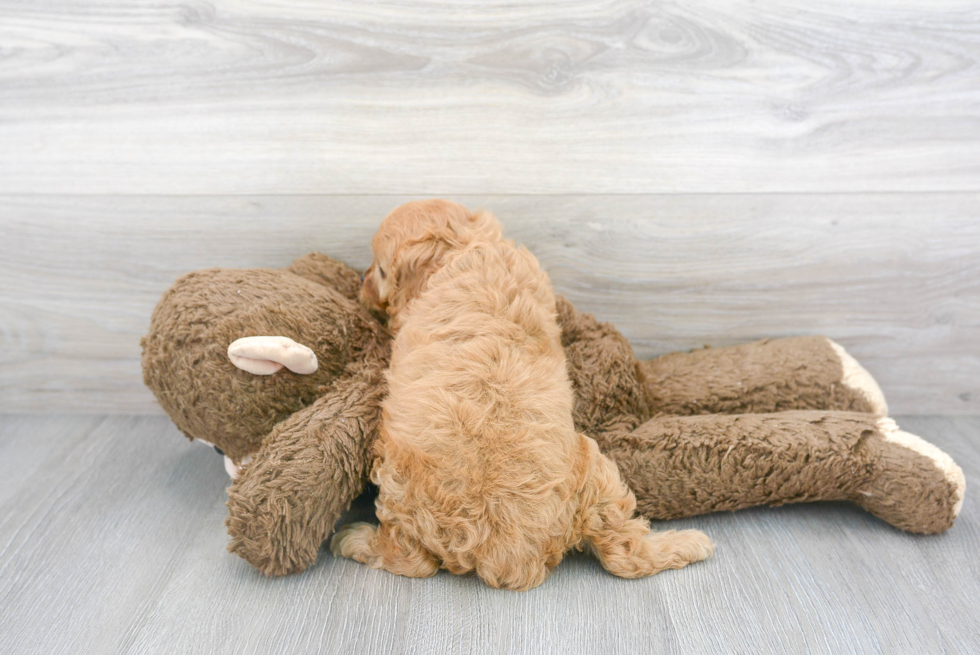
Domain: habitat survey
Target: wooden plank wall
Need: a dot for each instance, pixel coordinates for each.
(698, 173)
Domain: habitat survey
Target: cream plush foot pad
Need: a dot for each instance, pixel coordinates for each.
(268, 355)
(233, 469)
(857, 377)
(954, 474)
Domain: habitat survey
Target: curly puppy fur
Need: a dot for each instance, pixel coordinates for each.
(479, 464)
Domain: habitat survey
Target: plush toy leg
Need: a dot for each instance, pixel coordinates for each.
(916, 486)
(380, 547)
(286, 500)
(765, 376)
(682, 466)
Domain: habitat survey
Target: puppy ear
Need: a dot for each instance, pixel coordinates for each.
(414, 262)
(479, 225)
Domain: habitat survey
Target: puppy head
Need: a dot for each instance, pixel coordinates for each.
(412, 243)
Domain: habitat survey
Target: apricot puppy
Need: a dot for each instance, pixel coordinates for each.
(478, 462)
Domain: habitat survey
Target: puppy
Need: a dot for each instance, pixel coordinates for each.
(478, 462)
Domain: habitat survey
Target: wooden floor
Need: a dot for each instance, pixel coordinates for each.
(112, 541)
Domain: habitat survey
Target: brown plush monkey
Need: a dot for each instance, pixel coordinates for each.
(283, 371)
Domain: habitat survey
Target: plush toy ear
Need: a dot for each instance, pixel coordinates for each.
(267, 355)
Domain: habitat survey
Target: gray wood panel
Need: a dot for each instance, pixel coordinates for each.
(111, 541)
(497, 96)
(894, 277)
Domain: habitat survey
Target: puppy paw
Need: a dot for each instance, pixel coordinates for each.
(672, 549)
(354, 541)
(687, 546)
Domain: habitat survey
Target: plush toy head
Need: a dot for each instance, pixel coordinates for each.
(186, 361)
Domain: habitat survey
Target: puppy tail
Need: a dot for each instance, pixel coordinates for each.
(624, 545)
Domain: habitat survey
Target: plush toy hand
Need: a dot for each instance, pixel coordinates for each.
(285, 502)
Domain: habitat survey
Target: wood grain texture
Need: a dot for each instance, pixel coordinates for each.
(111, 541)
(496, 96)
(895, 278)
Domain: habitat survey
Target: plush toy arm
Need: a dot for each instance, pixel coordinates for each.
(683, 466)
(765, 376)
(327, 271)
(309, 469)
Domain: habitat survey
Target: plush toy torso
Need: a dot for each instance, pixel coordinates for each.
(681, 427)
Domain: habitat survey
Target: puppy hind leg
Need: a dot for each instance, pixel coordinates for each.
(382, 547)
(512, 573)
(624, 545)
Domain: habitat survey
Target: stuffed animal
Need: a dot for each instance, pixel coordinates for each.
(283, 372)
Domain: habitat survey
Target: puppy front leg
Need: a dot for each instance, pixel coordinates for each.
(382, 547)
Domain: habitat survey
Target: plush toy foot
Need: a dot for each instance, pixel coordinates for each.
(856, 377)
(915, 486)
(268, 355)
(686, 465)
